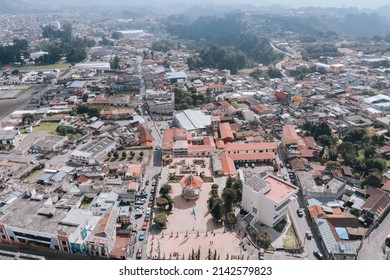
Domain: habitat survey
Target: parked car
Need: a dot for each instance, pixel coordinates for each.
(308, 235)
(141, 236)
(148, 210)
(300, 212)
(147, 182)
(145, 225)
(139, 254)
(147, 218)
(318, 255)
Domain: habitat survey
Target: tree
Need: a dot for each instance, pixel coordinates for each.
(27, 118)
(109, 154)
(85, 97)
(141, 154)
(165, 189)
(369, 152)
(116, 35)
(376, 163)
(161, 220)
(106, 42)
(355, 135)
(229, 182)
(373, 180)
(231, 219)
(116, 154)
(162, 202)
(216, 211)
(325, 140)
(333, 165)
(321, 128)
(115, 63)
(229, 195)
(62, 131)
(15, 72)
(124, 155)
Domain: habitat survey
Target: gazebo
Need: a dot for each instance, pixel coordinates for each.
(191, 186)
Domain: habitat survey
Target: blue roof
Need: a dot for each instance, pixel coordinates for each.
(342, 233)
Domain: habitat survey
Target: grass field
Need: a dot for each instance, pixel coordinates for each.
(49, 127)
(41, 67)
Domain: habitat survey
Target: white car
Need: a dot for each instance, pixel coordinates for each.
(148, 210)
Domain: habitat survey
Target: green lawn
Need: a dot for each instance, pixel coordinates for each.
(48, 126)
(41, 67)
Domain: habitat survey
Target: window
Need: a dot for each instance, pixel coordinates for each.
(65, 249)
(12, 238)
(56, 247)
(3, 236)
(64, 243)
(1, 230)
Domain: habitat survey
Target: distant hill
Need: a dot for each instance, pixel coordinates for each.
(11, 6)
(384, 11)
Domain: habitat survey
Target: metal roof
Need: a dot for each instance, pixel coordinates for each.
(342, 233)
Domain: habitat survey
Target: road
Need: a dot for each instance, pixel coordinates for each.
(153, 170)
(372, 245)
(302, 224)
(7, 106)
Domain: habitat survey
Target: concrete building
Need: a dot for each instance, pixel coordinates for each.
(176, 141)
(102, 239)
(9, 135)
(48, 144)
(91, 153)
(160, 102)
(39, 223)
(5, 172)
(267, 199)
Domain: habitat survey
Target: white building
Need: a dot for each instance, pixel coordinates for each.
(192, 120)
(100, 66)
(267, 199)
(91, 153)
(9, 135)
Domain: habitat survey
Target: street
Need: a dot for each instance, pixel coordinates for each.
(372, 245)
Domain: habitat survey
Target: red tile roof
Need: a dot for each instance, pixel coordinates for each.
(173, 134)
(289, 133)
(250, 146)
(310, 142)
(191, 182)
(228, 166)
(226, 131)
(256, 156)
(146, 138)
(261, 109)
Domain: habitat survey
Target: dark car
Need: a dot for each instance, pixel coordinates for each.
(318, 255)
(300, 212)
(139, 254)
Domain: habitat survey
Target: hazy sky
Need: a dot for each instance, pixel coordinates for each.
(290, 3)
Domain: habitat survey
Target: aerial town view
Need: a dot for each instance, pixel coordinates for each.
(149, 131)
